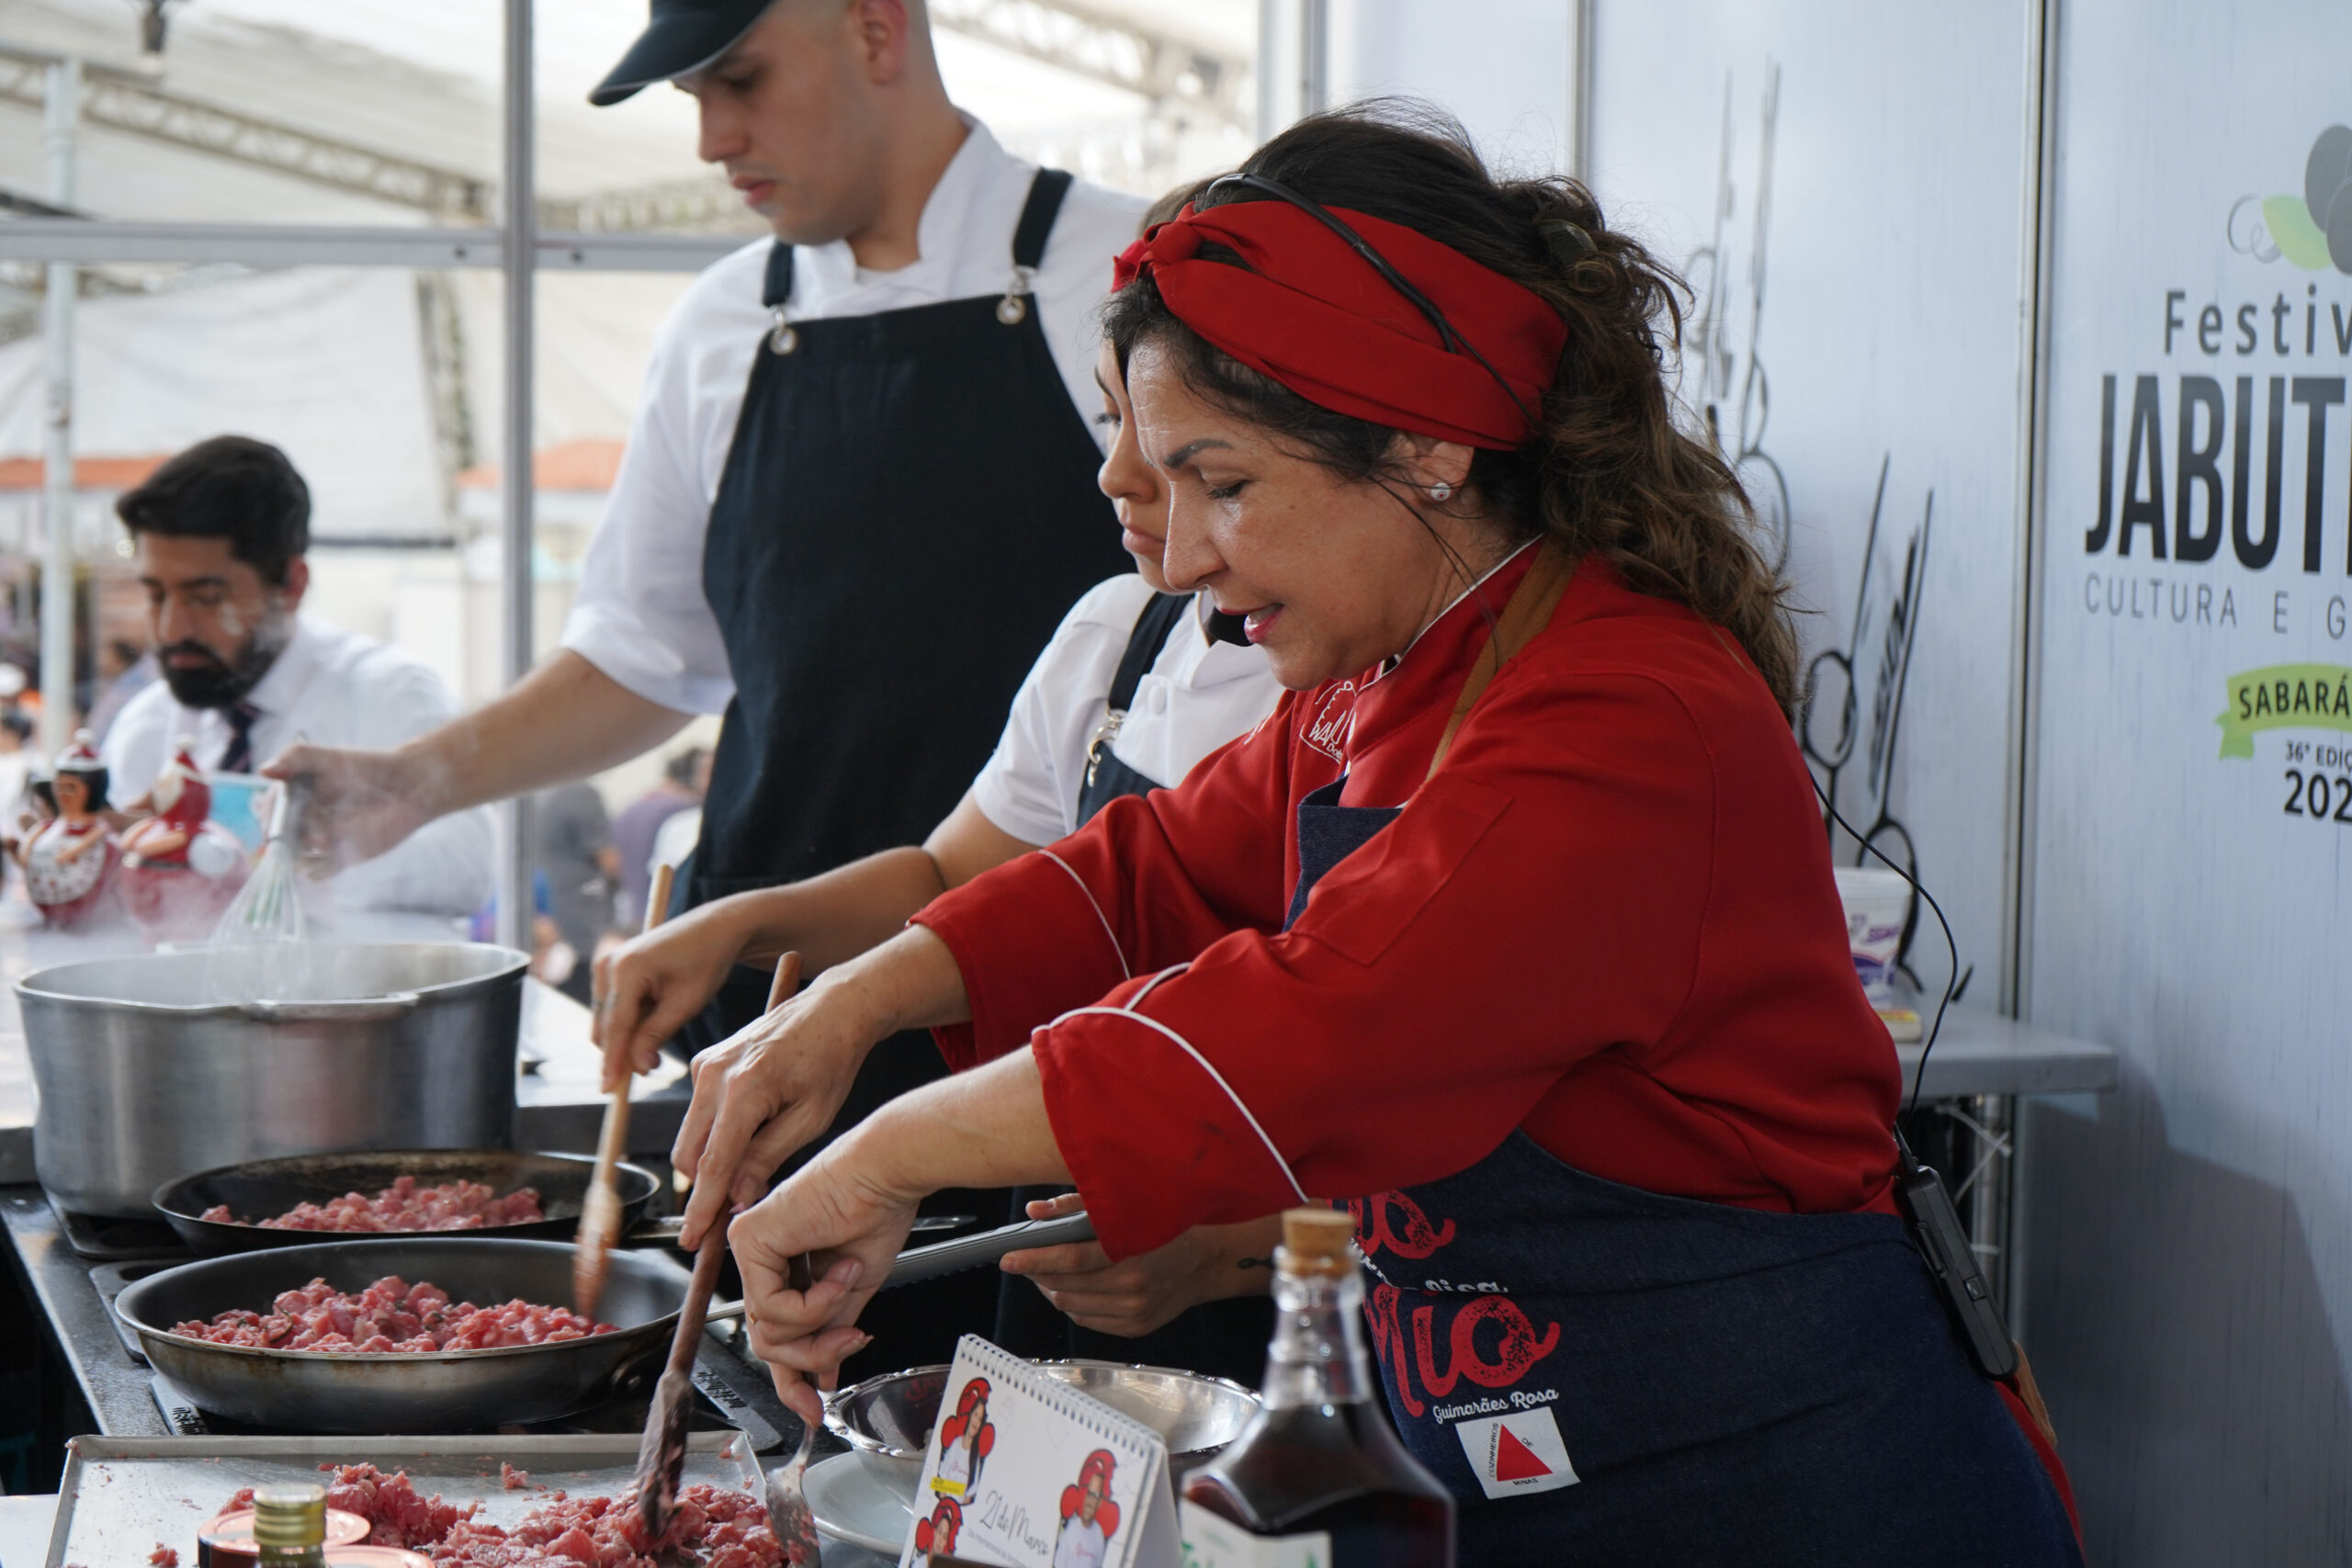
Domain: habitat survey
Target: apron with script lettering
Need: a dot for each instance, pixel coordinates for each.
(1602, 1375)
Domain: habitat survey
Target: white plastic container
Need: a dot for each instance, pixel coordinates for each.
(1877, 903)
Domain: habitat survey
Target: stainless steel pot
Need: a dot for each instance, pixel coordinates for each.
(144, 1078)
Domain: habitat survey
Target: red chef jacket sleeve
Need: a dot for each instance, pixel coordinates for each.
(1148, 883)
(1540, 899)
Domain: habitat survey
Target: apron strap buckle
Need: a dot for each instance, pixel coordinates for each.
(1104, 733)
(781, 339)
(1014, 306)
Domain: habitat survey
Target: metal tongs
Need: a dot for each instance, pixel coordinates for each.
(918, 1263)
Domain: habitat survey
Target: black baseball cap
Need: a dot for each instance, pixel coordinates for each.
(680, 36)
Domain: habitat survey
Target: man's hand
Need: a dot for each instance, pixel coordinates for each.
(1138, 1294)
(764, 1092)
(648, 987)
(564, 720)
(357, 802)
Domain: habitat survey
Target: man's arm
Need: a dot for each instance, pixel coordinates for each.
(564, 720)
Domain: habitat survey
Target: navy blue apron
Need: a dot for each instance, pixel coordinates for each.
(1107, 778)
(1724, 1385)
(1223, 1338)
(908, 509)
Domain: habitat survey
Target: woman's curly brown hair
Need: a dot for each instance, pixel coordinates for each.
(1611, 472)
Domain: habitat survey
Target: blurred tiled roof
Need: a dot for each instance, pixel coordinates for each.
(89, 473)
(588, 465)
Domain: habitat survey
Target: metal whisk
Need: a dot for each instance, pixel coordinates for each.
(257, 942)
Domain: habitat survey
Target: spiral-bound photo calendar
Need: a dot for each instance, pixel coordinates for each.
(1028, 1473)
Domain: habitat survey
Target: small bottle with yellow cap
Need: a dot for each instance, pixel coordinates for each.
(1319, 1476)
(291, 1527)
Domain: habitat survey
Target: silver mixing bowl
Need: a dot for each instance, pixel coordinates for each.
(888, 1420)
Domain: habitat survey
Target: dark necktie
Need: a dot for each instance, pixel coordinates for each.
(239, 757)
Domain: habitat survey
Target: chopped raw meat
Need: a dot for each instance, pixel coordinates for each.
(403, 1206)
(396, 1515)
(388, 1317)
(511, 1479)
(162, 1557)
(712, 1528)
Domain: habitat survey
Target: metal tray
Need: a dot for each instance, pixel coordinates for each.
(122, 1496)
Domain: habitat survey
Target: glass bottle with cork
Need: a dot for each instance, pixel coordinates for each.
(1319, 1478)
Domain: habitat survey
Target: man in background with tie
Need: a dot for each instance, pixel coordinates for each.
(219, 533)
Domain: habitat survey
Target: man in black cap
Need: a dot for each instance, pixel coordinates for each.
(858, 496)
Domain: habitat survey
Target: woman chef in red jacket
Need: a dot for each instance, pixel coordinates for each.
(1513, 927)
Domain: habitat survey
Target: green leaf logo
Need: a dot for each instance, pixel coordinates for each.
(2292, 231)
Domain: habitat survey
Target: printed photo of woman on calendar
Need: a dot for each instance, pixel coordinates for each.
(937, 1533)
(1089, 1516)
(965, 1439)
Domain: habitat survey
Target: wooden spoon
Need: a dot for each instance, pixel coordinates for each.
(600, 1211)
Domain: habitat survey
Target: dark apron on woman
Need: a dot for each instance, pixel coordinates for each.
(1602, 1375)
(909, 507)
(1223, 1338)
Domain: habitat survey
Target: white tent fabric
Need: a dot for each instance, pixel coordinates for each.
(328, 364)
(323, 362)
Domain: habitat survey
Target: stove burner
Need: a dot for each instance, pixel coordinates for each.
(110, 1279)
(109, 1240)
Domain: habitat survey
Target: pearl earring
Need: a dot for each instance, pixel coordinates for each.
(1440, 491)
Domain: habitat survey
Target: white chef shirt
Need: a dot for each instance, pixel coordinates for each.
(329, 687)
(640, 616)
(1197, 696)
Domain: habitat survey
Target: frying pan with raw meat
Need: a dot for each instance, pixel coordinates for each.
(442, 1391)
(258, 1190)
(454, 1391)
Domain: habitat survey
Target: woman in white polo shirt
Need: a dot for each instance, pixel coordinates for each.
(1136, 688)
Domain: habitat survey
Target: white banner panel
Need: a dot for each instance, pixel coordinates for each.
(2191, 1246)
(1857, 342)
(1504, 68)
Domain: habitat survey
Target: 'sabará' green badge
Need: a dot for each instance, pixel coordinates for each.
(2285, 697)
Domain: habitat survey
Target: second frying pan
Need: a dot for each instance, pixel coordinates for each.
(265, 1188)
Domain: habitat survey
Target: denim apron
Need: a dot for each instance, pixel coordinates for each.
(1606, 1376)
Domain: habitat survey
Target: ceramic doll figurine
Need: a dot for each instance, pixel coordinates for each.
(180, 870)
(69, 861)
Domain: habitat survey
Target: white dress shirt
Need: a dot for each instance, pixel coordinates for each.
(329, 687)
(1197, 696)
(641, 617)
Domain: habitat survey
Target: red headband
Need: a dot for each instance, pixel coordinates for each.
(1318, 318)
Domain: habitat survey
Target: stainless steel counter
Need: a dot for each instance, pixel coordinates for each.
(24, 1524)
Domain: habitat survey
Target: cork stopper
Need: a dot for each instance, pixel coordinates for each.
(1317, 1242)
(289, 1518)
